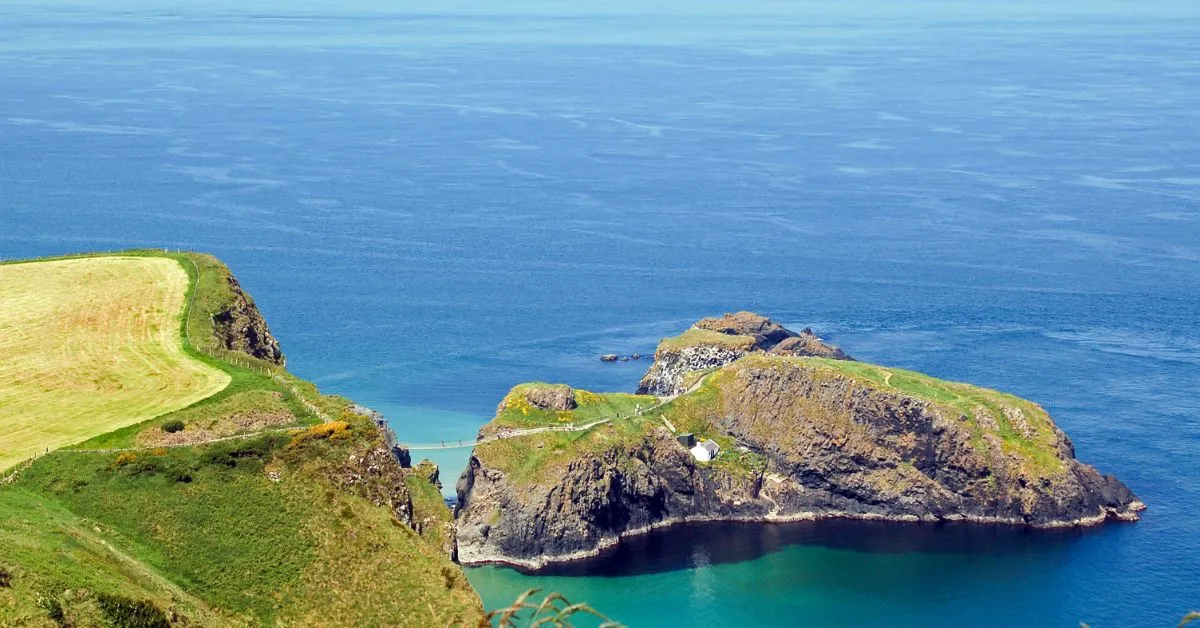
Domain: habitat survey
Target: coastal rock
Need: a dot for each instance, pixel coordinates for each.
(715, 342)
(241, 327)
(428, 470)
(376, 475)
(801, 439)
(766, 333)
(807, 343)
(546, 397)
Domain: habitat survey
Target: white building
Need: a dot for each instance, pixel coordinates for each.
(705, 451)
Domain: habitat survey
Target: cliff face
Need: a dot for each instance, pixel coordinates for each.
(801, 438)
(715, 342)
(239, 326)
(597, 499)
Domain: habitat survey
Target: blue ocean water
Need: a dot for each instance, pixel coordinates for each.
(432, 205)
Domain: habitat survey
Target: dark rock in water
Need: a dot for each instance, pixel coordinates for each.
(402, 456)
(635, 356)
(609, 357)
(714, 342)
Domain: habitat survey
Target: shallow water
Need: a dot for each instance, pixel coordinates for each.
(433, 206)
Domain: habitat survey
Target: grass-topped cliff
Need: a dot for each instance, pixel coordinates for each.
(533, 457)
(1019, 427)
(801, 435)
(194, 481)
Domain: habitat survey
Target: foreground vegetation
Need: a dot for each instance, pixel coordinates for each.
(252, 531)
(169, 521)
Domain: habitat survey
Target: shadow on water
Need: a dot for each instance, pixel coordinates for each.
(693, 545)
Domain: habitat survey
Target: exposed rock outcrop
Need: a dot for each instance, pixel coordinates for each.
(428, 470)
(801, 439)
(376, 475)
(241, 327)
(548, 397)
(715, 342)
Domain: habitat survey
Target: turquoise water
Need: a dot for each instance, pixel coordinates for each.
(431, 206)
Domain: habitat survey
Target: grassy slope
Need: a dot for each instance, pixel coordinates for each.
(536, 458)
(90, 345)
(46, 545)
(204, 531)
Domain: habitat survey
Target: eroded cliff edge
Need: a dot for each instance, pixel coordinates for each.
(801, 437)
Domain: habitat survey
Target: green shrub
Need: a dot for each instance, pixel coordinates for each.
(144, 466)
(231, 453)
(5, 578)
(180, 474)
(171, 427)
(125, 612)
(54, 610)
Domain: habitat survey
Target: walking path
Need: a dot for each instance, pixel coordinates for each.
(415, 447)
(548, 428)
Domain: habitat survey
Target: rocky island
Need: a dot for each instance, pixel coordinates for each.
(802, 432)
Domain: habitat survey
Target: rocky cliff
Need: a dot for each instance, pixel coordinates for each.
(801, 438)
(241, 327)
(715, 342)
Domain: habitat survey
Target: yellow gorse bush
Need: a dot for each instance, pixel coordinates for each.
(587, 398)
(516, 401)
(124, 458)
(332, 430)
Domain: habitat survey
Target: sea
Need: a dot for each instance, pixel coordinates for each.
(432, 202)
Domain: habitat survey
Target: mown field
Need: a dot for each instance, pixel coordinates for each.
(90, 345)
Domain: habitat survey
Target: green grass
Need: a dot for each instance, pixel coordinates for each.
(539, 459)
(209, 522)
(535, 458)
(693, 337)
(519, 413)
(89, 345)
(50, 549)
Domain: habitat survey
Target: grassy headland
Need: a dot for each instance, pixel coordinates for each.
(287, 524)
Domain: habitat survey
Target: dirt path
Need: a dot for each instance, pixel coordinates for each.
(458, 444)
(463, 443)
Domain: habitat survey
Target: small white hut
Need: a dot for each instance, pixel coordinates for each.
(705, 451)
